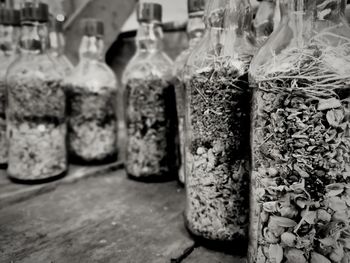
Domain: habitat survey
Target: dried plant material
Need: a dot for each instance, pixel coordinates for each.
(152, 128)
(36, 127)
(93, 125)
(218, 147)
(301, 129)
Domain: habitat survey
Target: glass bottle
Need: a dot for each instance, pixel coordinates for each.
(58, 43)
(150, 97)
(195, 31)
(300, 182)
(264, 20)
(36, 120)
(217, 125)
(10, 22)
(92, 86)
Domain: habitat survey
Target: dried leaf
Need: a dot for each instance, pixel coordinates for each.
(328, 242)
(300, 171)
(295, 256)
(275, 253)
(332, 103)
(310, 217)
(270, 207)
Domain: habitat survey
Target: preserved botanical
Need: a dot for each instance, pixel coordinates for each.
(92, 89)
(36, 104)
(300, 191)
(150, 97)
(217, 122)
(195, 31)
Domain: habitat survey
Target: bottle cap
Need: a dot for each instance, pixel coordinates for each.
(195, 6)
(12, 17)
(37, 11)
(149, 12)
(93, 27)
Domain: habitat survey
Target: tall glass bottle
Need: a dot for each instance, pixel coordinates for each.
(92, 86)
(58, 43)
(36, 104)
(10, 28)
(300, 183)
(217, 125)
(195, 31)
(150, 97)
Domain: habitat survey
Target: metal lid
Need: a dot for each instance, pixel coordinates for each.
(93, 27)
(12, 17)
(31, 11)
(149, 12)
(195, 6)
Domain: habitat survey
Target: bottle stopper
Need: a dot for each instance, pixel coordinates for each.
(93, 27)
(149, 12)
(34, 12)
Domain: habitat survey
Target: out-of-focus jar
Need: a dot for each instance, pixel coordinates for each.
(150, 98)
(300, 182)
(36, 116)
(92, 90)
(217, 126)
(10, 28)
(195, 31)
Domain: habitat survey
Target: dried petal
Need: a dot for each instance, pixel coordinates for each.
(318, 258)
(288, 239)
(283, 221)
(310, 217)
(295, 256)
(270, 207)
(323, 216)
(337, 254)
(275, 253)
(335, 117)
(332, 103)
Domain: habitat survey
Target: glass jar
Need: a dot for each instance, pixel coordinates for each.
(300, 183)
(151, 109)
(264, 20)
(92, 87)
(36, 120)
(195, 31)
(9, 23)
(57, 43)
(217, 125)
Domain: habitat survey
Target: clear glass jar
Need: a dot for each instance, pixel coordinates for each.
(36, 122)
(151, 109)
(300, 182)
(195, 31)
(217, 125)
(92, 87)
(264, 20)
(57, 44)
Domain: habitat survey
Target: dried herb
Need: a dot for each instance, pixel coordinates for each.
(301, 162)
(151, 125)
(218, 147)
(37, 128)
(92, 124)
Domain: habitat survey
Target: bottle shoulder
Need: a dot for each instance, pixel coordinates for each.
(149, 65)
(92, 75)
(37, 66)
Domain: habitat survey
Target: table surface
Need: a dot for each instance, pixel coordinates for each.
(101, 218)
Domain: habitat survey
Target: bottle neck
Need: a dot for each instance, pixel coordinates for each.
(91, 48)
(149, 37)
(195, 28)
(34, 38)
(10, 39)
(57, 43)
